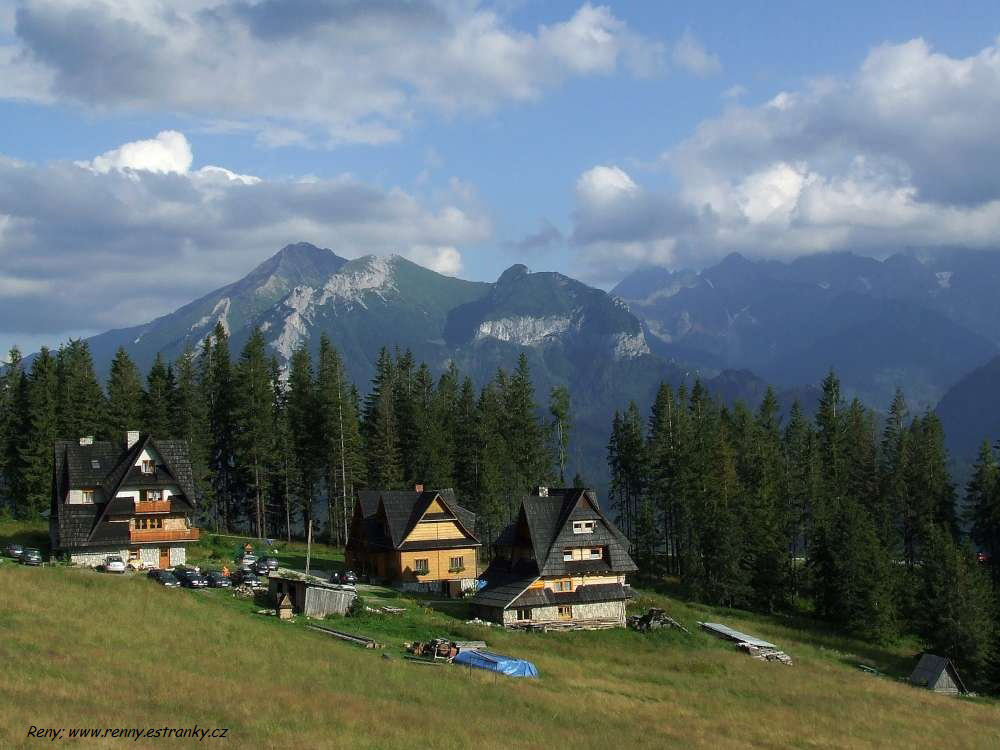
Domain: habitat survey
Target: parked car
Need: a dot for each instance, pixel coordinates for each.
(164, 578)
(344, 577)
(114, 565)
(31, 556)
(246, 562)
(190, 577)
(14, 550)
(217, 580)
(271, 562)
(260, 568)
(249, 578)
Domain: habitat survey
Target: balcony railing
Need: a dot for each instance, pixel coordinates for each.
(163, 535)
(152, 506)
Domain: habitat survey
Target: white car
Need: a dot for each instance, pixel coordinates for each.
(114, 565)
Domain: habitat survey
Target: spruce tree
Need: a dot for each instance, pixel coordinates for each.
(189, 422)
(283, 474)
(157, 398)
(956, 604)
(80, 400)
(254, 421)
(380, 428)
(982, 499)
(124, 411)
(303, 423)
(40, 433)
(13, 410)
(561, 427)
(218, 383)
(799, 490)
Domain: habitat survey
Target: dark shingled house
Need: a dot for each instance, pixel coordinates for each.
(562, 559)
(418, 540)
(132, 500)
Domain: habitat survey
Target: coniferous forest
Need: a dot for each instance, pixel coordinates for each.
(849, 516)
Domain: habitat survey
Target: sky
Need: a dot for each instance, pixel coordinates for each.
(151, 151)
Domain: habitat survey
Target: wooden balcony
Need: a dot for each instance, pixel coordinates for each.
(152, 506)
(163, 535)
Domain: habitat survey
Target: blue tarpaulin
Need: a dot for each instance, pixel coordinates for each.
(504, 665)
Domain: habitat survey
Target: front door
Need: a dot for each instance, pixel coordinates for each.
(164, 557)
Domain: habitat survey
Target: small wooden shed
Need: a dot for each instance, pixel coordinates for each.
(285, 607)
(938, 674)
(310, 595)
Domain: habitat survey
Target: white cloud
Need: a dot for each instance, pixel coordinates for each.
(168, 152)
(446, 260)
(603, 184)
(689, 53)
(901, 153)
(326, 71)
(138, 232)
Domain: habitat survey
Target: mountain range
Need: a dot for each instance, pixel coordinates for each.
(920, 323)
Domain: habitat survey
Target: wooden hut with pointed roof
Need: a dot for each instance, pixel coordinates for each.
(938, 674)
(562, 560)
(420, 540)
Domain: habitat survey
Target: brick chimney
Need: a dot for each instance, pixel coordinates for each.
(131, 438)
(418, 488)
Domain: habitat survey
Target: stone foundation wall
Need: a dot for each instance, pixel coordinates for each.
(591, 611)
(96, 556)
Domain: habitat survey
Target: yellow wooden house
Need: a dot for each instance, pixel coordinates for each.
(419, 540)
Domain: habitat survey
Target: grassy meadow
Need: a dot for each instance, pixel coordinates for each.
(86, 649)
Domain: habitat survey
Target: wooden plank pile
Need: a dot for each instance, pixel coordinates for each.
(765, 654)
(597, 623)
(359, 640)
(654, 619)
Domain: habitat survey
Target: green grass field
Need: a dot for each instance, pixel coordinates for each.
(86, 649)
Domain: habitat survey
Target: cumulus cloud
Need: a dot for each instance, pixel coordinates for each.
(901, 153)
(689, 53)
(326, 71)
(137, 232)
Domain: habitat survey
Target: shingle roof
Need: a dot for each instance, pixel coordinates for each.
(549, 525)
(404, 509)
(108, 466)
(929, 669)
(503, 594)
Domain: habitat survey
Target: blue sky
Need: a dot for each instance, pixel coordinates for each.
(586, 138)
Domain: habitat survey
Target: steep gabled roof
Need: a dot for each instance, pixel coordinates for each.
(549, 522)
(404, 509)
(929, 670)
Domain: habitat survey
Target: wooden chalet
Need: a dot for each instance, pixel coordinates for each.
(419, 540)
(561, 561)
(133, 500)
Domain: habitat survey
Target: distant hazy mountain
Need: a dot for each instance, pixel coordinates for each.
(970, 411)
(916, 323)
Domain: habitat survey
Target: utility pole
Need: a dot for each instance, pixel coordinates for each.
(309, 545)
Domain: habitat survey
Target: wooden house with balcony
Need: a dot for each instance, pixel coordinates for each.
(561, 561)
(417, 541)
(133, 500)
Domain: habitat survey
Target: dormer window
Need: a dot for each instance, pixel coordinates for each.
(95, 464)
(147, 466)
(88, 496)
(583, 527)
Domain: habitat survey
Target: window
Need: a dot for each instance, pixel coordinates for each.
(154, 494)
(564, 585)
(565, 613)
(147, 466)
(151, 522)
(88, 496)
(133, 554)
(457, 563)
(594, 553)
(420, 566)
(567, 554)
(95, 464)
(583, 527)
(524, 614)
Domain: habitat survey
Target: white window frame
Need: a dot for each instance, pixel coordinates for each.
(584, 527)
(147, 466)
